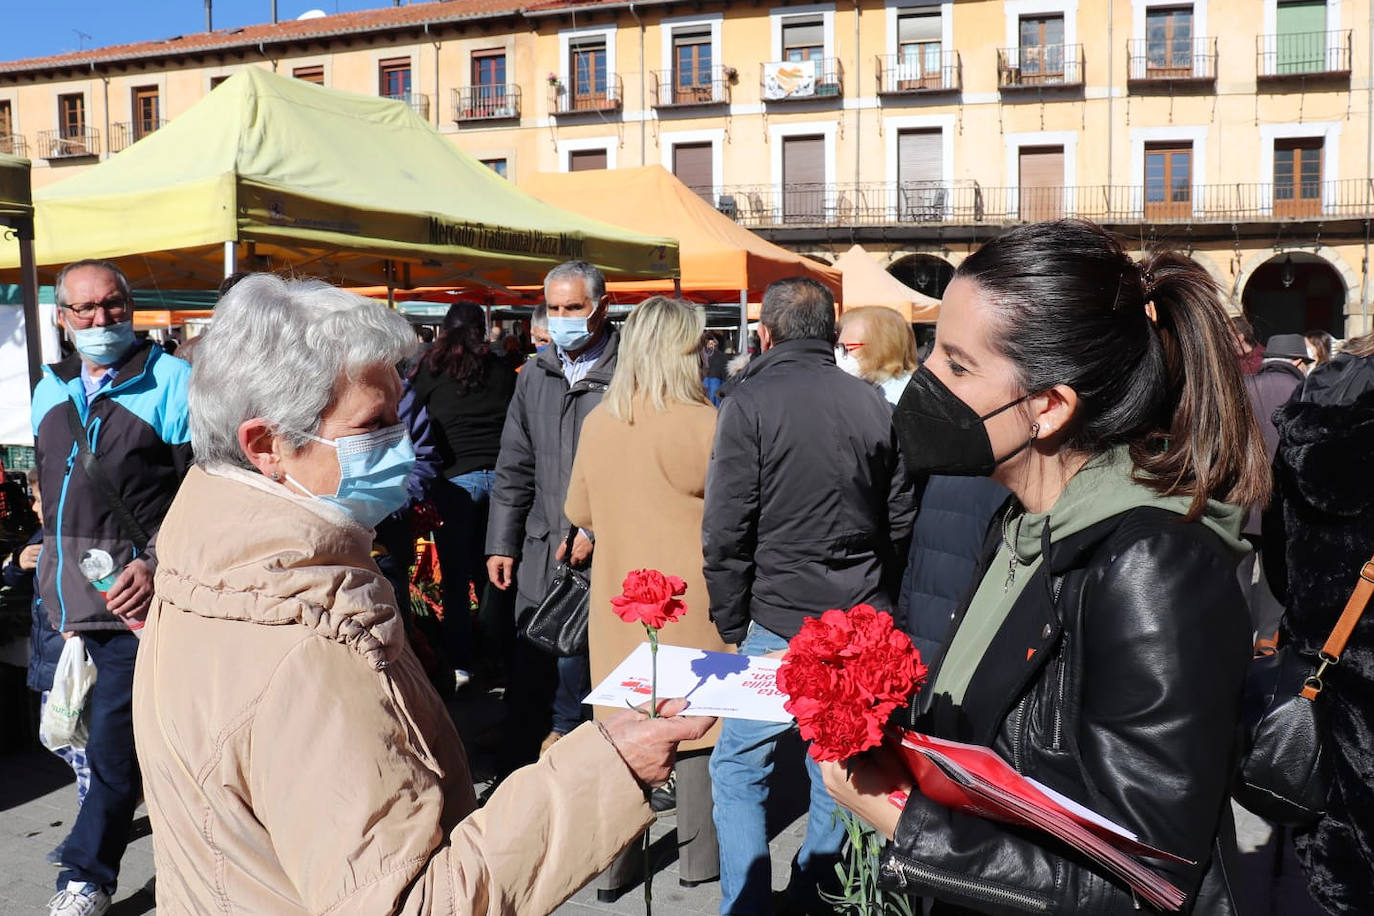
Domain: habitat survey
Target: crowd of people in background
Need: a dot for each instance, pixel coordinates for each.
(1072, 488)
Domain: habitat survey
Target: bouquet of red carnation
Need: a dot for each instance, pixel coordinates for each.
(844, 674)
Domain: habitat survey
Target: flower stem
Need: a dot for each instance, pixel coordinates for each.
(653, 667)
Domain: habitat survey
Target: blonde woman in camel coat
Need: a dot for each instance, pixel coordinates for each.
(638, 484)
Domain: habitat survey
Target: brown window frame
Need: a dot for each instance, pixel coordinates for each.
(386, 68)
(144, 120)
(313, 73)
(1303, 198)
(1170, 207)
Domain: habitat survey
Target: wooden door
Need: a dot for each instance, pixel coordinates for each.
(1169, 42)
(1298, 177)
(692, 68)
(1041, 187)
(145, 111)
(1042, 49)
(1168, 181)
(589, 77)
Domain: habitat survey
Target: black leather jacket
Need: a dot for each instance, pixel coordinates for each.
(1116, 680)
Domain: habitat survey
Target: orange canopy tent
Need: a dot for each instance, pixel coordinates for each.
(720, 260)
(866, 283)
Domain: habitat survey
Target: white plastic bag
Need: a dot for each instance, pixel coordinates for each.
(62, 724)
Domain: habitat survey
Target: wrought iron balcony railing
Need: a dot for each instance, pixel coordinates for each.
(1303, 54)
(904, 74)
(1040, 66)
(602, 92)
(418, 102)
(14, 145)
(1173, 61)
(818, 78)
(67, 144)
(970, 204)
(125, 133)
(486, 102)
(690, 86)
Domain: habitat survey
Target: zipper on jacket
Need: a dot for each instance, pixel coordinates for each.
(1059, 694)
(1018, 716)
(908, 871)
(57, 535)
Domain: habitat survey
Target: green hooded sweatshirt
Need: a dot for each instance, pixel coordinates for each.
(1102, 488)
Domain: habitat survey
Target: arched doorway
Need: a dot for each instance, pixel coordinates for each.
(924, 273)
(1295, 292)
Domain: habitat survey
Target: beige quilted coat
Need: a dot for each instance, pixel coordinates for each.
(296, 760)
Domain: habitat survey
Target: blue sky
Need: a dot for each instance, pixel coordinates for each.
(34, 28)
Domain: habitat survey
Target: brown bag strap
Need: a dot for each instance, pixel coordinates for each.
(1340, 633)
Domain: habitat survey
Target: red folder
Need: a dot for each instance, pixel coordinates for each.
(974, 779)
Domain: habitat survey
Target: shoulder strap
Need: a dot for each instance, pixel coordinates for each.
(96, 474)
(1340, 633)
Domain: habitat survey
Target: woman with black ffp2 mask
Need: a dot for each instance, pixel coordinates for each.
(1104, 648)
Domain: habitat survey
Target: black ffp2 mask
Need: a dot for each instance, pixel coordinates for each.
(940, 434)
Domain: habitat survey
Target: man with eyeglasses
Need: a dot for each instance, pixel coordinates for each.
(113, 443)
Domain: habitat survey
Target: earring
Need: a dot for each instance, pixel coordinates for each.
(1035, 431)
(276, 475)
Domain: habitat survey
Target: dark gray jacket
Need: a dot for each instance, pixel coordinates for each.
(532, 470)
(807, 505)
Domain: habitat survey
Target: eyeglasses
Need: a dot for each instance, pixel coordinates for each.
(113, 308)
(851, 347)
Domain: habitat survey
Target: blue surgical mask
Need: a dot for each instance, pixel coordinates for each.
(104, 345)
(373, 468)
(569, 333)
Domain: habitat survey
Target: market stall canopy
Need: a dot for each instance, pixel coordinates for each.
(866, 283)
(16, 195)
(719, 257)
(357, 189)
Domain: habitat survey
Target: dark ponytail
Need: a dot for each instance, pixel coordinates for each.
(1146, 347)
(462, 347)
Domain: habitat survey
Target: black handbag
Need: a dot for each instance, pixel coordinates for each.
(559, 624)
(1285, 774)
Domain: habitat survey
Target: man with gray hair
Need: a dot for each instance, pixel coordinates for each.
(113, 442)
(555, 392)
(807, 508)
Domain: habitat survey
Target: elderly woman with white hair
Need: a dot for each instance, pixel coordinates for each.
(295, 758)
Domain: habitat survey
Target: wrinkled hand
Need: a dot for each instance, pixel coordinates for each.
(648, 746)
(28, 557)
(501, 570)
(132, 592)
(581, 551)
(864, 784)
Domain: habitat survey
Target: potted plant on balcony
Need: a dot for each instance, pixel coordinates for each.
(731, 75)
(555, 83)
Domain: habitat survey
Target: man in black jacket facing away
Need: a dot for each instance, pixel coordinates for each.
(807, 509)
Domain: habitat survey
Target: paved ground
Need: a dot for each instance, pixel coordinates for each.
(38, 802)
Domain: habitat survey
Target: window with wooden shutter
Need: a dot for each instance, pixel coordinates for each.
(1298, 177)
(920, 195)
(1041, 49)
(1168, 180)
(1041, 185)
(803, 179)
(692, 164)
(582, 160)
(488, 83)
(1169, 41)
(918, 50)
(146, 114)
(71, 124)
(7, 143)
(1301, 41)
(803, 39)
(691, 65)
(588, 68)
(313, 74)
(394, 78)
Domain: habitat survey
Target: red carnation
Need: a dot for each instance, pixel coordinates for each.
(651, 598)
(844, 674)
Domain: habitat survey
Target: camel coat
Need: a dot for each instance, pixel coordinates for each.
(295, 758)
(639, 489)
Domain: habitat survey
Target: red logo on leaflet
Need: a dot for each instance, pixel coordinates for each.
(636, 685)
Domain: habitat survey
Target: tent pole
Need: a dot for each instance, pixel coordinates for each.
(389, 269)
(677, 287)
(231, 258)
(28, 277)
(743, 321)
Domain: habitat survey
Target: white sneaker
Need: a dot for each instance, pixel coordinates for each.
(79, 899)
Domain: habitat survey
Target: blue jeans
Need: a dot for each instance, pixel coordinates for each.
(741, 766)
(574, 683)
(463, 502)
(101, 831)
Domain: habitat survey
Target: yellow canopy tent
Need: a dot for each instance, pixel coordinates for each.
(268, 172)
(721, 260)
(16, 212)
(866, 283)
